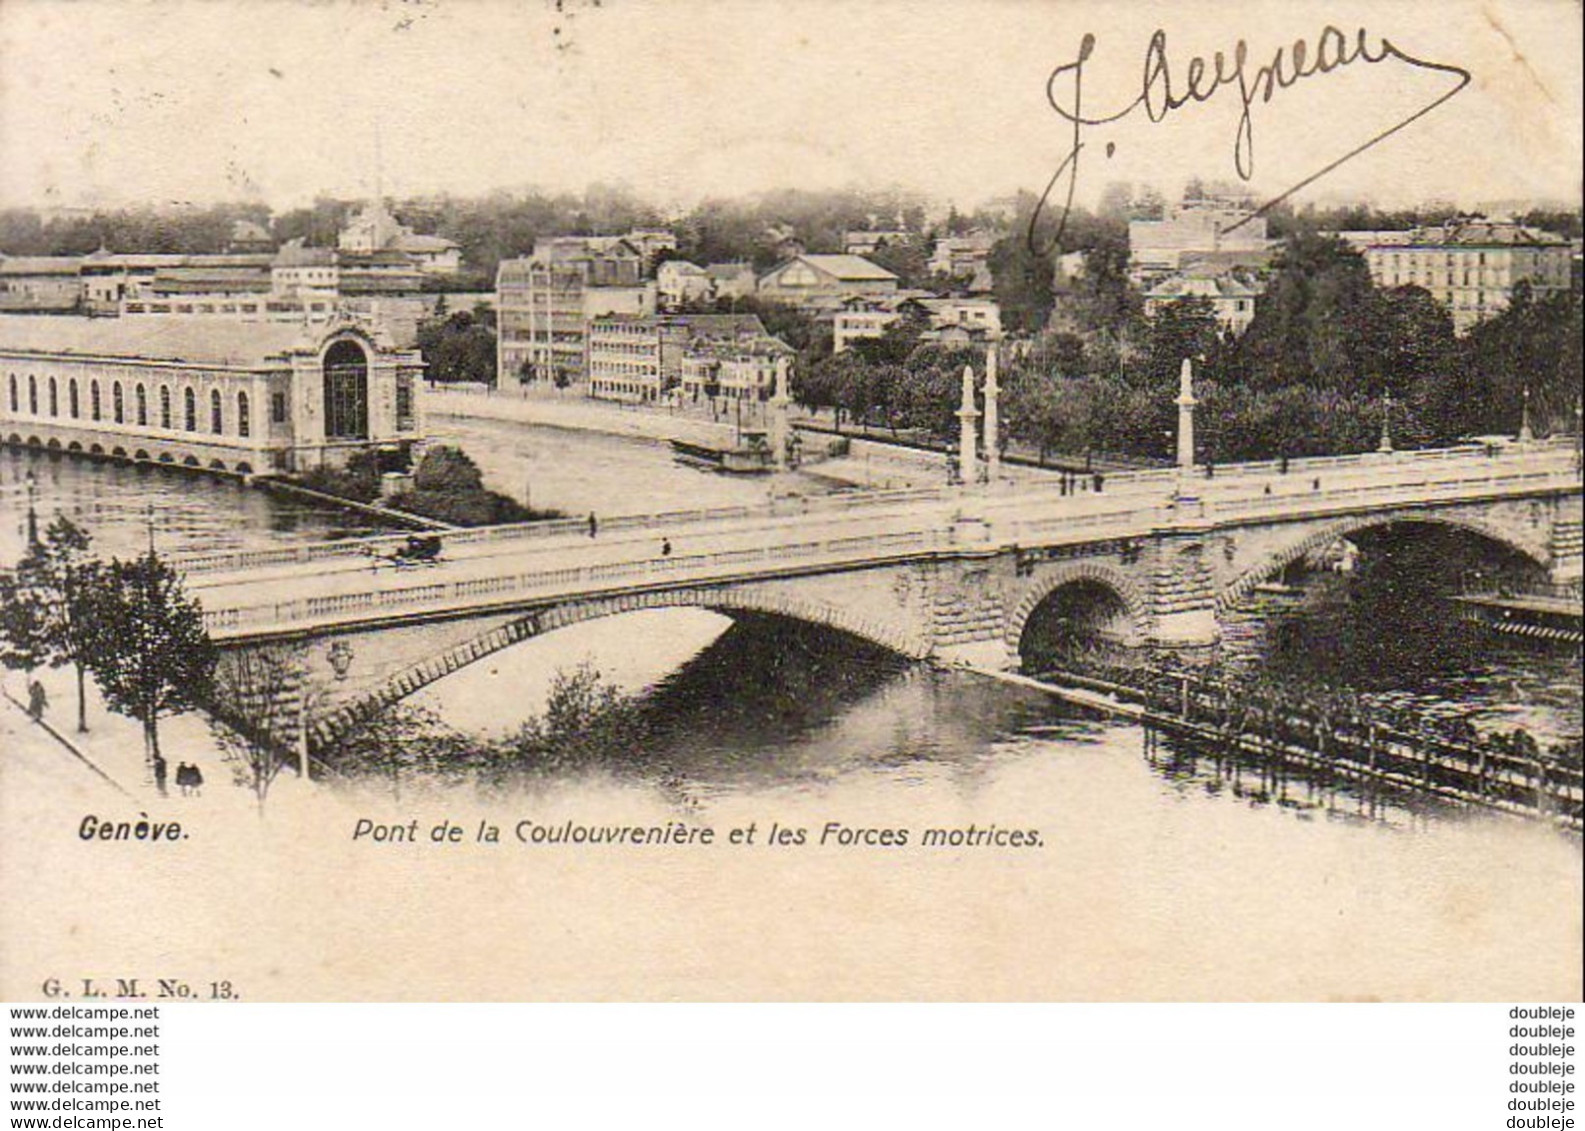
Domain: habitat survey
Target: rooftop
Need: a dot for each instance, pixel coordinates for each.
(201, 341)
(39, 264)
(847, 266)
(1484, 233)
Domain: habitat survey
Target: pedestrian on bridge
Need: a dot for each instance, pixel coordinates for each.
(594, 525)
(665, 547)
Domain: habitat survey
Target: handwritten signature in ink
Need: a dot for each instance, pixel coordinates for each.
(1202, 80)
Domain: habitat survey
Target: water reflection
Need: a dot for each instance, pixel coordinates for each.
(120, 504)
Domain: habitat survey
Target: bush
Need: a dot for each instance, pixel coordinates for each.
(448, 470)
(358, 481)
(449, 487)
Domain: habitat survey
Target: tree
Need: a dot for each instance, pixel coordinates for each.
(404, 744)
(459, 346)
(586, 721)
(1180, 329)
(70, 579)
(44, 607)
(24, 635)
(257, 701)
(151, 654)
(1021, 283)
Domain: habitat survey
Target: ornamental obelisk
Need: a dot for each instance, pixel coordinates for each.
(968, 456)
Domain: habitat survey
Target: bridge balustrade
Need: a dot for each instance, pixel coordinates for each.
(239, 560)
(550, 583)
(1395, 493)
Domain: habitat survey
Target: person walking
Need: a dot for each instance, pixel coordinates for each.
(665, 547)
(38, 700)
(594, 525)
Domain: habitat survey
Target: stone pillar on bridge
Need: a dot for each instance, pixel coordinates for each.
(780, 434)
(968, 455)
(1183, 597)
(993, 441)
(1186, 403)
(1185, 497)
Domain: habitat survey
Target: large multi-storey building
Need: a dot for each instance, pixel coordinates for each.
(641, 358)
(544, 304)
(1472, 267)
(241, 398)
(1196, 229)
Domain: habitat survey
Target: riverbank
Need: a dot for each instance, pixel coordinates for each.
(384, 514)
(868, 462)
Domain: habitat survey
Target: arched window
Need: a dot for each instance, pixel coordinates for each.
(243, 424)
(55, 404)
(190, 409)
(93, 398)
(33, 395)
(143, 407)
(117, 405)
(71, 398)
(346, 371)
(165, 406)
(217, 421)
(14, 393)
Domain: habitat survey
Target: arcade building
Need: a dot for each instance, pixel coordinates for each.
(239, 398)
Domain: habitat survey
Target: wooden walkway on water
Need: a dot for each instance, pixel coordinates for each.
(1348, 748)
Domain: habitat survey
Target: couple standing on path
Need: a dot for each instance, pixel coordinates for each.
(189, 778)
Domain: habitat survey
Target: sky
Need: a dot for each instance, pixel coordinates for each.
(112, 102)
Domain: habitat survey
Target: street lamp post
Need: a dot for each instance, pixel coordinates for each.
(33, 515)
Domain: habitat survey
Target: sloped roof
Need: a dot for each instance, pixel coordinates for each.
(719, 325)
(852, 267)
(1202, 286)
(424, 243)
(201, 341)
(1485, 233)
(39, 264)
(728, 270)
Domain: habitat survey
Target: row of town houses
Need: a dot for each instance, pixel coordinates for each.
(598, 314)
(1218, 250)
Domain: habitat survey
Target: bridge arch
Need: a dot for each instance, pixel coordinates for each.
(431, 669)
(1317, 540)
(1119, 586)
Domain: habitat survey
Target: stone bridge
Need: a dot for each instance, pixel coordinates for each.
(1154, 557)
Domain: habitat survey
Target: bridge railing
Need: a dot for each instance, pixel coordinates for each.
(1553, 450)
(1396, 492)
(307, 552)
(586, 580)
